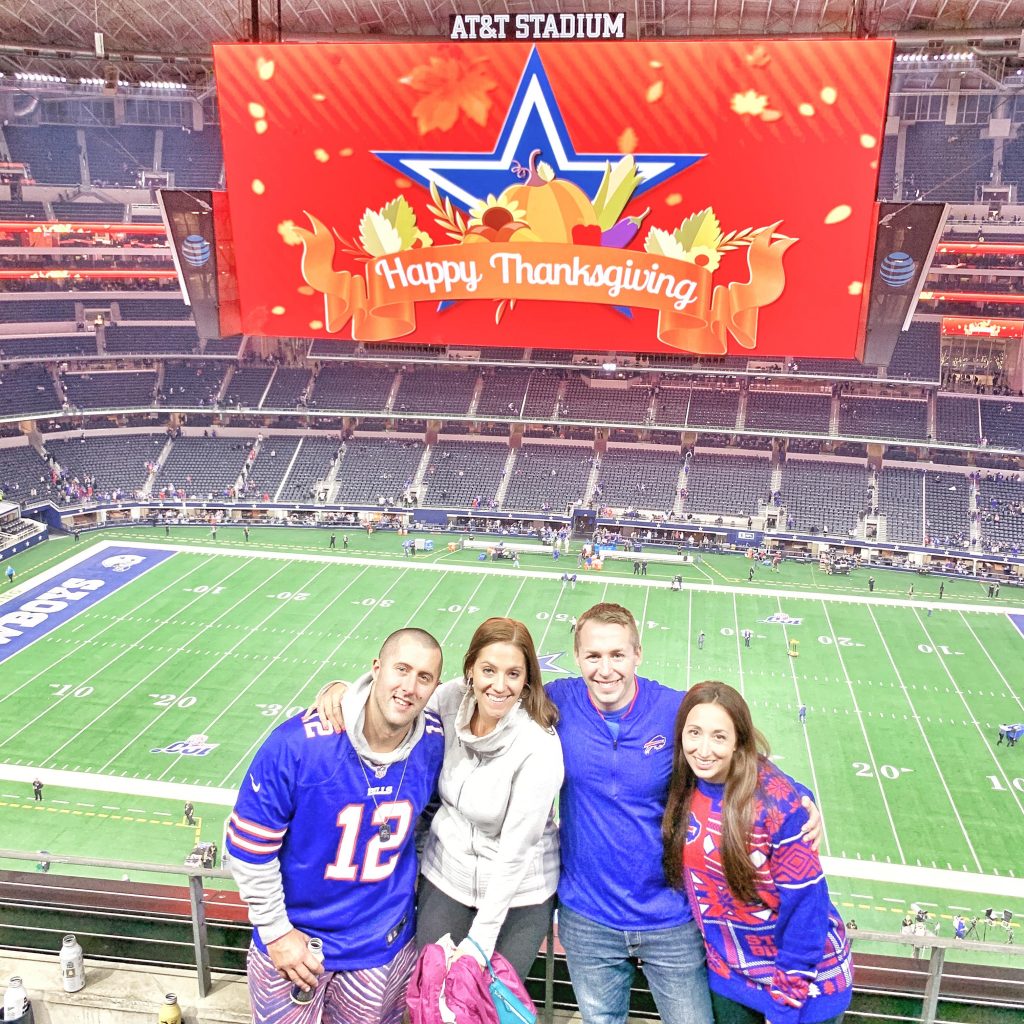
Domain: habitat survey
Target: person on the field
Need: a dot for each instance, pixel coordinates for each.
(1003, 730)
(490, 863)
(10, 574)
(322, 845)
(776, 945)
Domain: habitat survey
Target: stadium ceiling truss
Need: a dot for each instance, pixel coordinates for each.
(171, 39)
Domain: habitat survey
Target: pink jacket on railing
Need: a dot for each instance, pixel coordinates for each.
(464, 988)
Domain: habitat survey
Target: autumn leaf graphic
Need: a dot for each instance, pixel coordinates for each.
(450, 85)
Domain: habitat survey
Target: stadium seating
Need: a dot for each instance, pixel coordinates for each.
(635, 478)
(965, 159)
(118, 463)
(377, 471)
(151, 341)
(736, 485)
(22, 471)
(153, 308)
(916, 355)
(94, 213)
(271, 465)
(351, 387)
(883, 418)
(825, 496)
(27, 389)
(586, 401)
(1002, 424)
(957, 420)
(831, 368)
(901, 501)
(786, 412)
(548, 477)
(13, 209)
(223, 346)
(697, 406)
(947, 503)
(288, 387)
(117, 155)
(311, 465)
(194, 157)
(1001, 512)
(191, 385)
(52, 152)
(41, 346)
(247, 386)
(118, 390)
(461, 473)
(43, 311)
(438, 390)
(204, 466)
(502, 392)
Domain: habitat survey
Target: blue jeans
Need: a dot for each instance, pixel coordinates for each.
(601, 969)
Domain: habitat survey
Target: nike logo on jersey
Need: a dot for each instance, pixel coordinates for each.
(255, 785)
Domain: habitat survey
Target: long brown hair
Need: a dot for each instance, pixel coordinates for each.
(500, 630)
(737, 800)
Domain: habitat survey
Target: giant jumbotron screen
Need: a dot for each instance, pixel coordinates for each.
(651, 197)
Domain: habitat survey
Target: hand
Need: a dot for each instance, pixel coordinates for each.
(290, 955)
(467, 948)
(811, 832)
(328, 705)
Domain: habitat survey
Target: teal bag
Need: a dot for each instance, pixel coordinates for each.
(507, 1004)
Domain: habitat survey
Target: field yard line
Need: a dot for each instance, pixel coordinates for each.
(465, 604)
(135, 644)
(70, 654)
(970, 713)
(739, 650)
(924, 736)
(864, 733)
(807, 739)
(999, 672)
(643, 615)
(248, 686)
(625, 581)
(105, 666)
(247, 634)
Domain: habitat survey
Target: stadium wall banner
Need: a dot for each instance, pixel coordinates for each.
(976, 327)
(460, 193)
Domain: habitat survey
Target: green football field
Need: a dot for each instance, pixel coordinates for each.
(163, 690)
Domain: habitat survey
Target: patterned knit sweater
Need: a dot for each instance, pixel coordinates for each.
(787, 955)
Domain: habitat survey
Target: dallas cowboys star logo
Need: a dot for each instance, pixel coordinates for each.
(533, 122)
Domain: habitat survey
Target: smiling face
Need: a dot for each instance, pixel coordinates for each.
(709, 742)
(404, 677)
(497, 676)
(608, 660)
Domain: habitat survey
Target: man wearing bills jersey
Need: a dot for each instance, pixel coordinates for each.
(322, 846)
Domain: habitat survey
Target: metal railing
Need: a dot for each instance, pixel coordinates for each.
(183, 930)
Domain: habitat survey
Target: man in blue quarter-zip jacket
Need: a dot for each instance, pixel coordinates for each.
(614, 903)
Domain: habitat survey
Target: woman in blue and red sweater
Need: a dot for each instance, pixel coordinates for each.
(776, 947)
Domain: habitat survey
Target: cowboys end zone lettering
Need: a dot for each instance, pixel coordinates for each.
(35, 613)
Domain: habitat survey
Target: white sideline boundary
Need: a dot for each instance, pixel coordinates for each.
(565, 565)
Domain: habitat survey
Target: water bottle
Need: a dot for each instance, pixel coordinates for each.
(170, 1012)
(299, 996)
(15, 1000)
(72, 965)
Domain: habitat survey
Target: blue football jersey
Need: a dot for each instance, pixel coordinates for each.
(344, 835)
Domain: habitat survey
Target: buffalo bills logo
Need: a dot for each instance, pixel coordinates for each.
(692, 828)
(653, 744)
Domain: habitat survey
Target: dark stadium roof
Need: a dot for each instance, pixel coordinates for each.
(188, 28)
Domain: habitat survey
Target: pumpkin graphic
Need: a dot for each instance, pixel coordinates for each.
(552, 208)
